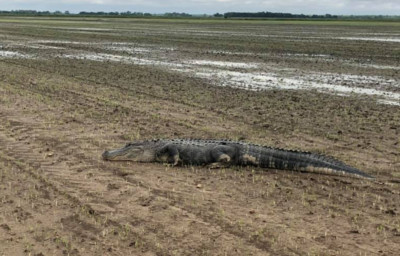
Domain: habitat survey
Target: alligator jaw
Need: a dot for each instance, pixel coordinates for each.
(136, 153)
(117, 154)
(107, 155)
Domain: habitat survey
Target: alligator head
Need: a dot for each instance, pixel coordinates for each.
(138, 151)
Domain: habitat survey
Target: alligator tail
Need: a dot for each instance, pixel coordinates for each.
(308, 162)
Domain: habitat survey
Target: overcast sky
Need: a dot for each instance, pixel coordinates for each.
(358, 7)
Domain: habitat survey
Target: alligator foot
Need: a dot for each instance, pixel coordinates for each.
(224, 158)
(176, 160)
(218, 165)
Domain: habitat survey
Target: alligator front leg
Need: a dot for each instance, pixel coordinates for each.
(168, 154)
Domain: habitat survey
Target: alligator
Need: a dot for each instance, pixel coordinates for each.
(217, 153)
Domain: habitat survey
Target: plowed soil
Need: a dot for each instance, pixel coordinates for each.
(57, 115)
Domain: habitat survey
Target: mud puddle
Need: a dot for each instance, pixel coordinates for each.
(249, 76)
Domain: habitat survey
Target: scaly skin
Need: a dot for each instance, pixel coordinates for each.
(226, 152)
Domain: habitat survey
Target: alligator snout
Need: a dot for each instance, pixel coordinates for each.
(105, 155)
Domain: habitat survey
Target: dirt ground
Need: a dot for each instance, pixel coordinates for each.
(58, 114)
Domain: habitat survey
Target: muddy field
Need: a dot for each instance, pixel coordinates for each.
(71, 88)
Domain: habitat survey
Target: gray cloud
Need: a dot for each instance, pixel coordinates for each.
(385, 7)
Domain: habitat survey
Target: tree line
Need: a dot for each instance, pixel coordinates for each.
(85, 13)
(227, 15)
(276, 15)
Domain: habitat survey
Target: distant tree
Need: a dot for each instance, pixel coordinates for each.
(25, 12)
(177, 14)
(218, 15)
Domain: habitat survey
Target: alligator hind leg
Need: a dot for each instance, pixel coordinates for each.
(223, 161)
(222, 154)
(175, 159)
(222, 157)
